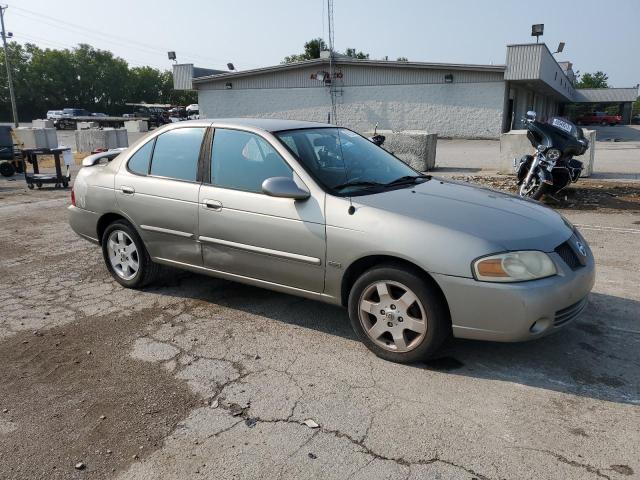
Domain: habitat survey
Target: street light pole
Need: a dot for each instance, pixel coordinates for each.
(6, 61)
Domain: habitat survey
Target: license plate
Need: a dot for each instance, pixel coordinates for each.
(562, 125)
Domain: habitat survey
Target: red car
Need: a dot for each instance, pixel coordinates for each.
(600, 118)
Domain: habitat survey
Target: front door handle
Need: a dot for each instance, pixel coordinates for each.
(212, 205)
(127, 190)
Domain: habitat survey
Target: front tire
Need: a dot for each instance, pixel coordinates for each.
(397, 315)
(126, 257)
(534, 190)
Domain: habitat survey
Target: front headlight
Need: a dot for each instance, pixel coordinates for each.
(553, 154)
(514, 267)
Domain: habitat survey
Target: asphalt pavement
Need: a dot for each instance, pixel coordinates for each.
(202, 378)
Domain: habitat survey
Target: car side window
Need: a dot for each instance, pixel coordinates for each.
(176, 154)
(139, 161)
(243, 160)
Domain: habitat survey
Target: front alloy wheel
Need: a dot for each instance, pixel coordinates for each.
(399, 313)
(392, 316)
(534, 189)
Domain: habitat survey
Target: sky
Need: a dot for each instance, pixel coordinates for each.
(253, 33)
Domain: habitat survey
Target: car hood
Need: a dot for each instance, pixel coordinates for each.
(501, 219)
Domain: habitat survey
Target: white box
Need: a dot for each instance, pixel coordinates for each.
(136, 126)
(40, 123)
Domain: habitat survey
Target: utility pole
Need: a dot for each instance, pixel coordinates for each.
(14, 109)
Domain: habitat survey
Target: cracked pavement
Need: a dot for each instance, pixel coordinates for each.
(217, 379)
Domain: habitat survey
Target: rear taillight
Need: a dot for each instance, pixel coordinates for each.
(73, 197)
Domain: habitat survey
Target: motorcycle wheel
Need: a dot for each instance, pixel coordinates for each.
(534, 190)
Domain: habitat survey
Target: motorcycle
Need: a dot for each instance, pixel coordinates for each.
(552, 167)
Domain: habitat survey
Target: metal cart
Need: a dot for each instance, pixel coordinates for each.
(30, 156)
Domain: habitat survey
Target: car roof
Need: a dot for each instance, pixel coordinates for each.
(267, 124)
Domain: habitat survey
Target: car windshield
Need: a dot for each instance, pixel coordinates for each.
(346, 163)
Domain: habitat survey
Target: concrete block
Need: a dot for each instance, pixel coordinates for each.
(136, 126)
(122, 137)
(416, 148)
(515, 144)
(90, 140)
(37, 137)
(40, 123)
(589, 157)
(86, 125)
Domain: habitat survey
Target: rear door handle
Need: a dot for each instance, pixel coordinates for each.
(127, 190)
(212, 204)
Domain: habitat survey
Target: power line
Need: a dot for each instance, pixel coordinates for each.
(120, 43)
(45, 41)
(114, 38)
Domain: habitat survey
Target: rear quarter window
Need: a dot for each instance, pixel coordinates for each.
(139, 161)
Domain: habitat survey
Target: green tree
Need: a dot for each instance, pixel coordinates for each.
(312, 50)
(351, 52)
(598, 79)
(83, 77)
(146, 84)
(636, 106)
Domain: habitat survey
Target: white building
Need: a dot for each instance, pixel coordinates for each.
(452, 100)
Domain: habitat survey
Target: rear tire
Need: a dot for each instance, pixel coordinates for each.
(126, 257)
(415, 321)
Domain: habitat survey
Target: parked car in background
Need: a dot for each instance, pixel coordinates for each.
(599, 118)
(98, 114)
(193, 111)
(75, 112)
(321, 212)
(54, 114)
(158, 114)
(636, 119)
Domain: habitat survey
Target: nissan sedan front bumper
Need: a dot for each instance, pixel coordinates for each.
(513, 312)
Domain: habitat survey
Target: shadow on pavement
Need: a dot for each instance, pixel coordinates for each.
(596, 356)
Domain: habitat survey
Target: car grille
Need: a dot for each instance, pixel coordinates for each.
(568, 255)
(572, 311)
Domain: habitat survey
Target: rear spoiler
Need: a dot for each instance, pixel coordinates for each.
(107, 155)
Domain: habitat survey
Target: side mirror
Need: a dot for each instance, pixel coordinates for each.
(284, 187)
(378, 139)
(531, 115)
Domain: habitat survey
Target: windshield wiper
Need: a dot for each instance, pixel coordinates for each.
(359, 183)
(408, 179)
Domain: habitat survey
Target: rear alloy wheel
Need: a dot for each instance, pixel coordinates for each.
(126, 256)
(397, 314)
(123, 255)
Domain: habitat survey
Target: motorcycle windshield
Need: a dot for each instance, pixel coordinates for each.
(566, 127)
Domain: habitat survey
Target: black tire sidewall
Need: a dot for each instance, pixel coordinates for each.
(143, 259)
(539, 193)
(438, 323)
(7, 169)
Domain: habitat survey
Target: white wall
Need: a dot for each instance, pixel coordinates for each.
(468, 110)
